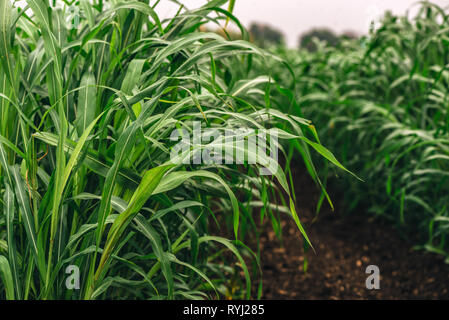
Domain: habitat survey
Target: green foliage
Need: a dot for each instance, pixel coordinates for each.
(382, 105)
(86, 175)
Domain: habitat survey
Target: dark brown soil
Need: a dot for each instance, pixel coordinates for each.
(345, 246)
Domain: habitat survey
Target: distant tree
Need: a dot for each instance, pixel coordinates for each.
(350, 35)
(265, 35)
(306, 39)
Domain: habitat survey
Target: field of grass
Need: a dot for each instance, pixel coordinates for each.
(88, 108)
(381, 104)
(93, 105)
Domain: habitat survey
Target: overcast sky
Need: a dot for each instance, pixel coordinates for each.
(294, 17)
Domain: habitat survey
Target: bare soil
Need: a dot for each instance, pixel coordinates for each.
(344, 246)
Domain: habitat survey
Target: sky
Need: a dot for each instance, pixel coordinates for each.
(293, 17)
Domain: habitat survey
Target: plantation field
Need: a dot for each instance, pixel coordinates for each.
(144, 157)
(381, 105)
(96, 203)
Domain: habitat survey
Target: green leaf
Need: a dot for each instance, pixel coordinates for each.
(8, 200)
(86, 102)
(148, 231)
(327, 154)
(5, 272)
(148, 184)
